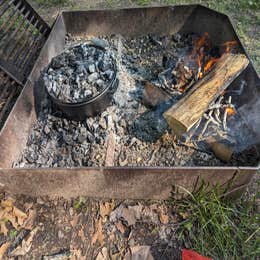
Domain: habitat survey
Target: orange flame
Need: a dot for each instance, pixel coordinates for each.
(202, 41)
(203, 63)
(229, 45)
(230, 111)
(210, 63)
(198, 51)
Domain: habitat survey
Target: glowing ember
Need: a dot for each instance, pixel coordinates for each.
(230, 111)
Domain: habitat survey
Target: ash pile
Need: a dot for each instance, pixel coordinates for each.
(155, 73)
(79, 73)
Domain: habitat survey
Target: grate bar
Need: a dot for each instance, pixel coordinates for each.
(11, 38)
(26, 44)
(42, 22)
(34, 49)
(7, 19)
(29, 49)
(6, 7)
(9, 27)
(24, 31)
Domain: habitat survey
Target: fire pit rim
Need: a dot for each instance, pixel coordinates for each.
(102, 168)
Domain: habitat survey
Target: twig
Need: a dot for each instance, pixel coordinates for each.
(225, 120)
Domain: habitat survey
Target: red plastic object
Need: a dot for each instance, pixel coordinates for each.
(192, 255)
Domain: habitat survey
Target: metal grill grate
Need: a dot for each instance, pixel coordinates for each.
(22, 35)
(9, 91)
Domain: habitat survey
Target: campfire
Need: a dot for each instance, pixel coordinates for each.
(173, 106)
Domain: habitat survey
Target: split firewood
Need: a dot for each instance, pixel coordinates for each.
(110, 153)
(222, 151)
(185, 113)
(153, 96)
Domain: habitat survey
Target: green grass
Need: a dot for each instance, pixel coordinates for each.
(13, 234)
(79, 203)
(219, 228)
(50, 3)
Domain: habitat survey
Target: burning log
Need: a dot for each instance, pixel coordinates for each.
(184, 114)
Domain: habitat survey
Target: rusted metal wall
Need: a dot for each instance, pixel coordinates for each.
(122, 183)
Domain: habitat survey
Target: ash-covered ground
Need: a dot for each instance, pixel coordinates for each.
(126, 133)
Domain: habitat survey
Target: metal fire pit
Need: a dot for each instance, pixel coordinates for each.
(117, 182)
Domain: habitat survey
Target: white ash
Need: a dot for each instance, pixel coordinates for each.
(56, 142)
(79, 73)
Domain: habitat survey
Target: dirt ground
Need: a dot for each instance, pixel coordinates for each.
(51, 228)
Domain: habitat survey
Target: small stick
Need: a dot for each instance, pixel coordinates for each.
(229, 100)
(188, 136)
(214, 121)
(217, 114)
(204, 128)
(225, 120)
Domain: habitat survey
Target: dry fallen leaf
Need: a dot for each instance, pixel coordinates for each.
(76, 254)
(8, 212)
(26, 244)
(98, 236)
(82, 234)
(106, 208)
(129, 216)
(29, 222)
(139, 253)
(3, 249)
(7, 203)
(3, 228)
(120, 226)
(163, 218)
(74, 221)
(28, 206)
(21, 216)
(103, 255)
(116, 256)
(10, 217)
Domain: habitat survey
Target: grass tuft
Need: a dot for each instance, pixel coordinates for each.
(217, 227)
(49, 3)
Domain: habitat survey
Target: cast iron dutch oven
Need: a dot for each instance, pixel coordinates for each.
(91, 107)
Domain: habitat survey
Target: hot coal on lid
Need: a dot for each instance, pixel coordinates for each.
(79, 74)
